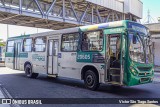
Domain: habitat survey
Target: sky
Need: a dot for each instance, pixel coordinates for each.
(152, 5)
(18, 30)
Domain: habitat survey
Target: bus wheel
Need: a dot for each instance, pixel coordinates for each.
(91, 80)
(29, 73)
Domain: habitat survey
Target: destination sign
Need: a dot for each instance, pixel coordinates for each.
(138, 27)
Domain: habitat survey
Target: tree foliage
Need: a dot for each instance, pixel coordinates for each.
(2, 43)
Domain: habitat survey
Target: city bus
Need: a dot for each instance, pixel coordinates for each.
(115, 53)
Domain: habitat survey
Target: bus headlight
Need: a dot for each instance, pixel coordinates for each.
(133, 71)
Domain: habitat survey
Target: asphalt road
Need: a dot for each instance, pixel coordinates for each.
(20, 86)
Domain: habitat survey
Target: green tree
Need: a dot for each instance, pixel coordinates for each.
(2, 43)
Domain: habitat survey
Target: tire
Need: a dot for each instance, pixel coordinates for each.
(91, 80)
(29, 73)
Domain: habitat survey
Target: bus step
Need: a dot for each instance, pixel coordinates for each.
(114, 68)
(49, 75)
(115, 77)
(115, 71)
(114, 83)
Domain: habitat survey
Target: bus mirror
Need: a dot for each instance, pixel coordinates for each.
(78, 49)
(123, 54)
(22, 49)
(125, 33)
(134, 39)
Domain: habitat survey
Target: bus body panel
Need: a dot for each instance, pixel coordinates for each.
(9, 59)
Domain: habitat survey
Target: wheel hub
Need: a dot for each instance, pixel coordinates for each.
(28, 71)
(90, 80)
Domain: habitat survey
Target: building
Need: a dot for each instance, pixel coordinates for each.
(155, 33)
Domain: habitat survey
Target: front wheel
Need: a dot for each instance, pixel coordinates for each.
(91, 80)
(29, 73)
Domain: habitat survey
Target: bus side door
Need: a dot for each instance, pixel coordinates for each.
(53, 56)
(17, 48)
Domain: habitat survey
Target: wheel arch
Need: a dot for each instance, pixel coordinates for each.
(89, 67)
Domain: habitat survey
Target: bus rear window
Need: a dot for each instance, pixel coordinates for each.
(10, 46)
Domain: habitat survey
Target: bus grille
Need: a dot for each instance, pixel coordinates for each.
(144, 68)
(144, 74)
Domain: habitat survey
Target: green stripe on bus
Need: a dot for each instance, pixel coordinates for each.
(21, 55)
(9, 54)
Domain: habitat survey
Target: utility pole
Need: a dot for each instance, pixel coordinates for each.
(7, 31)
(148, 16)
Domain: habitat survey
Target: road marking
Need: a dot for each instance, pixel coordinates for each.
(7, 95)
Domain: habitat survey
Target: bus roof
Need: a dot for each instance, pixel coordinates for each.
(103, 25)
(81, 28)
(18, 37)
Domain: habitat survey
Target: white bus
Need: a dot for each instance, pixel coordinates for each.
(103, 53)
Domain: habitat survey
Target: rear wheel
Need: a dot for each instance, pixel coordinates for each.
(29, 73)
(91, 80)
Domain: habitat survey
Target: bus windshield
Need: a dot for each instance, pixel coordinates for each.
(140, 48)
(136, 48)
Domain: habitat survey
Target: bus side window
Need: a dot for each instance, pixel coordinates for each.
(40, 44)
(70, 42)
(92, 41)
(85, 43)
(10, 46)
(27, 45)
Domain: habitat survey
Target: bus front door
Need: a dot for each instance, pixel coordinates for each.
(17, 48)
(113, 59)
(53, 56)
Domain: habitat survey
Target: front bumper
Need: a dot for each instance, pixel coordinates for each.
(136, 80)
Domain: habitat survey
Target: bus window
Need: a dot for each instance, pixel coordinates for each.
(92, 41)
(10, 46)
(70, 42)
(40, 44)
(27, 45)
